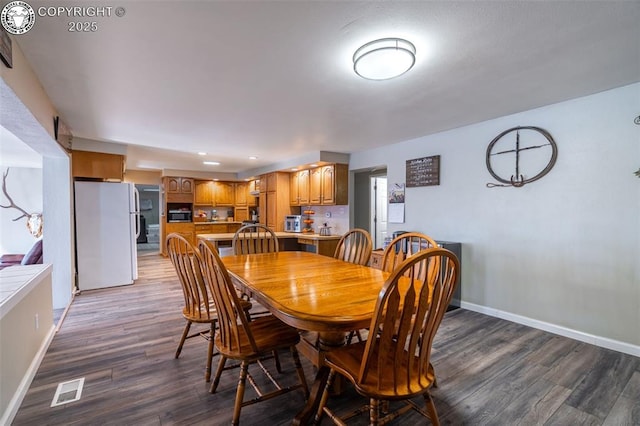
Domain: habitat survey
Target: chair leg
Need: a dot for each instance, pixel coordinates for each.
(374, 412)
(183, 338)
(276, 358)
(300, 371)
(216, 379)
(207, 372)
(350, 337)
(325, 396)
(431, 409)
(351, 334)
(240, 393)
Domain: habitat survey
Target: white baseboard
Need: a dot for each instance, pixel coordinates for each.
(603, 342)
(18, 396)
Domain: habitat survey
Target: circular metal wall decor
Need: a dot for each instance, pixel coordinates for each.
(520, 155)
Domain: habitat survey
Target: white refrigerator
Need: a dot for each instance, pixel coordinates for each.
(107, 219)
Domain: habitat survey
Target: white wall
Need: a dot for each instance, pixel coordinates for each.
(55, 188)
(563, 250)
(24, 185)
(58, 246)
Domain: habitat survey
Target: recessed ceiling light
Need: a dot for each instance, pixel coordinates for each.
(294, 169)
(313, 165)
(384, 58)
(202, 153)
(211, 163)
(253, 157)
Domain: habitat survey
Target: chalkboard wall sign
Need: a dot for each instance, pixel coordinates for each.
(423, 171)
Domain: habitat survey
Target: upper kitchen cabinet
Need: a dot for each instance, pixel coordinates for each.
(328, 185)
(246, 193)
(97, 165)
(179, 185)
(274, 200)
(179, 189)
(269, 182)
(224, 193)
(241, 193)
(203, 193)
(299, 188)
(253, 188)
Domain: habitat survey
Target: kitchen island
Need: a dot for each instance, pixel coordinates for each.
(288, 241)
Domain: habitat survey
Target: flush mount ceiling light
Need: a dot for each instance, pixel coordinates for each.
(211, 163)
(384, 58)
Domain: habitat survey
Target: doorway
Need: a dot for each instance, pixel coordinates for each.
(378, 210)
(149, 239)
(370, 203)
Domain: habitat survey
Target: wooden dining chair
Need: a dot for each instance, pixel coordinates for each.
(243, 340)
(400, 248)
(254, 238)
(354, 247)
(394, 364)
(404, 246)
(198, 306)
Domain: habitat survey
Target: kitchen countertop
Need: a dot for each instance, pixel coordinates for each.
(229, 236)
(212, 222)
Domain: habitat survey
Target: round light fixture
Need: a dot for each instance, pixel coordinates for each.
(384, 58)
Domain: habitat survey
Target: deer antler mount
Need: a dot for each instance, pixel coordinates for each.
(34, 220)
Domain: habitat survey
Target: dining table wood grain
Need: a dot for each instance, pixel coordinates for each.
(310, 292)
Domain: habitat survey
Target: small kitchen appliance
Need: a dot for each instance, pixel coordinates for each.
(293, 223)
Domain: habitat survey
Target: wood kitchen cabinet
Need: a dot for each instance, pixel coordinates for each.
(299, 188)
(178, 189)
(179, 185)
(216, 228)
(328, 185)
(274, 200)
(211, 193)
(224, 193)
(241, 214)
(252, 188)
(187, 230)
(242, 193)
(97, 165)
(203, 193)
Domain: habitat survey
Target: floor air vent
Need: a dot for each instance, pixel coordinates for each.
(68, 392)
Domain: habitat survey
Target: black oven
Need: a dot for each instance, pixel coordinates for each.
(179, 216)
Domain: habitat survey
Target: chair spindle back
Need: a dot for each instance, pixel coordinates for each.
(404, 246)
(230, 313)
(354, 247)
(254, 238)
(186, 261)
(408, 312)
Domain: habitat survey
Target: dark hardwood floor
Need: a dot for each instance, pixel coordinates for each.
(490, 371)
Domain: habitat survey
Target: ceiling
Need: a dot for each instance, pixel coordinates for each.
(274, 79)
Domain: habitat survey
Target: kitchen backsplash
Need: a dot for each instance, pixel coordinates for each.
(339, 220)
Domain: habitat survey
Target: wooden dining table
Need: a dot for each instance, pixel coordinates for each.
(314, 293)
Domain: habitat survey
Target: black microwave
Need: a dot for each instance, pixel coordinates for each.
(179, 216)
